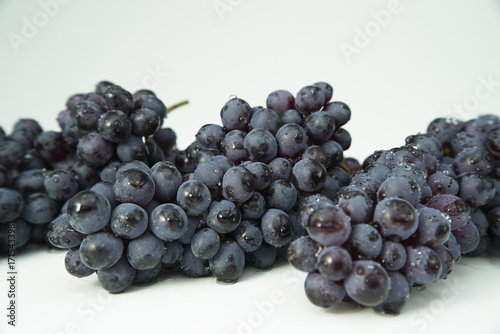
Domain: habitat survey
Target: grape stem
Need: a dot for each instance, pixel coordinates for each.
(177, 105)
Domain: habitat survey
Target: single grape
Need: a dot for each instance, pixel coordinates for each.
(368, 283)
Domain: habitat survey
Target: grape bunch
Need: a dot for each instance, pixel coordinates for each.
(405, 218)
(228, 200)
(42, 170)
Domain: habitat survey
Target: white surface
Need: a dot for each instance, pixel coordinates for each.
(427, 60)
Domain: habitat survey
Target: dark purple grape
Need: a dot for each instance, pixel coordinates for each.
(238, 184)
(280, 101)
(117, 277)
(443, 183)
(94, 150)
(276, 227)
(100, 250)
(323, 292)
(115, 126)
(117, 98)
(281, 195)
(167, 179)
(423, 265)
(223, 216)
(281, 169)
(334, 263)
(309, 99)
(467, 237)
(254, 207)
(303, 253)
(11, 205)
(329, 226)
(145, 252)
(145, 122)
(426, 143)
(308, 175)
(434, 227)
(168, 221)
(74, 265)
(205, 243)
(266, 119)
(493, 141)
(396, 218)
(444, 129)
(476, 189)
(319, 127)
(260, 145)
(475, 160)
(261, 173)
(211, 136)
(50, 146)
(339, 111)
(452, 205)
(236, 115)
(356, 204)
(135, 186)
(327, 90)
(132, 148)
(248, 235)
(229, 262)
(368, 283)
(364, 242)
(233, 146)
(399, 293)
(400, 187)
(343, 137)
(292, 116)
(292, 140)
(392, 256)
(39, 208)
(128, 221)
(88, 211)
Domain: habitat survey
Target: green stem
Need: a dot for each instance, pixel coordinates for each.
(177, 105)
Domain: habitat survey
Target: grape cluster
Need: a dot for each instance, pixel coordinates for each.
(40, 171)
(405, 218)
(228, 200)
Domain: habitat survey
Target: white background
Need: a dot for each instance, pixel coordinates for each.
(397, 64)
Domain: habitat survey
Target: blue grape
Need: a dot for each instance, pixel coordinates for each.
(248, 235)
(60, 184)
(86, 114)
(29, 182)
(327, 90)
(303, 253)
(194, 197)
(74, 265)
(401, 187)
(291, 116)
(339, 111)
(233, 146)
(323, 292)
(205, 243)
(168, 222)
(223, 216)
(276, 227)
(392, 256)
(452, 205)
(368, 283)
(229, 262)
(211, 136)
(173, 254)
(88, 212)
(61, 235)
(261, 173)
(167, 179)
(260, 145)
(423, 265)
(281, 169)
(426, 143)
(444, 129)
(364, 242)
(114, 125)
(11, 205)
(475, 160)
(292, 140)
(117, 98)
(238, 184)
(100, 250)
(128, 221)
(106, 189)
(280, 101)
(281, 195)
(329, 226)
(192, 265)
(39, 208)
(399, 293)
(476, 189)
(396, 218)
(266, 119)
(254, 207)
(145, 252)
(309, 175)
(319, 127)
(236, 114)
(443, 183)
(356, 204)
(467, 237)
(309, 99)
(334, 263)
(132, 148)
(117, 277)
(145, 122)
(210, 174)
(135, 186)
